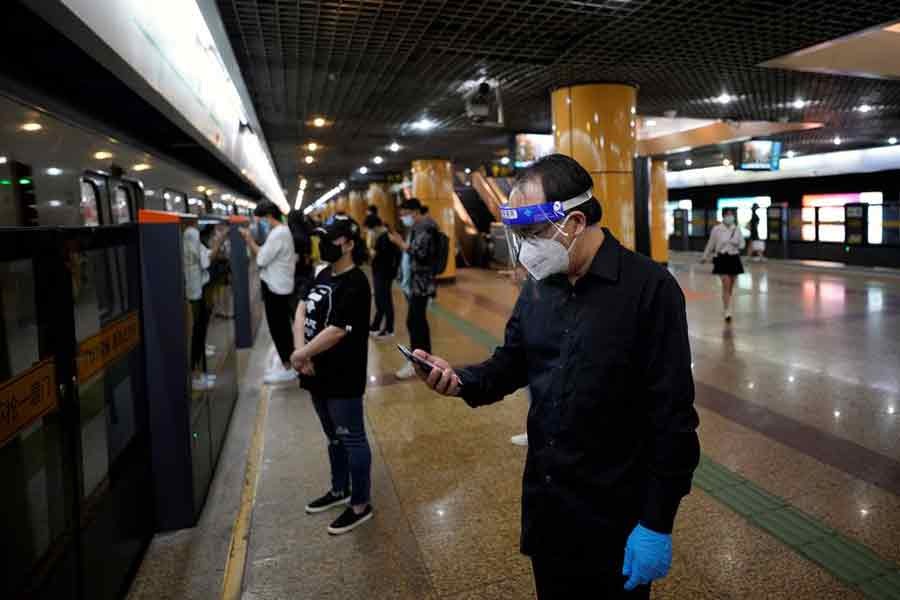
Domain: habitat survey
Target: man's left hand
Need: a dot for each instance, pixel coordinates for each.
(648, 556)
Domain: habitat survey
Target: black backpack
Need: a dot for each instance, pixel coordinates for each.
(440, 253)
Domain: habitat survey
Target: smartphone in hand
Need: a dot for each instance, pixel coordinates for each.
(419, 362)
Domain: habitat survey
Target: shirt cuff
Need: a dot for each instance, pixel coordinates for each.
(660, 508)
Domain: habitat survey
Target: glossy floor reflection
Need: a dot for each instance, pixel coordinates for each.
(799, 401)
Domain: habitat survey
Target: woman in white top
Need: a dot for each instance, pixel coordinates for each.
(276, 260)
(725, 242)
(197, 258)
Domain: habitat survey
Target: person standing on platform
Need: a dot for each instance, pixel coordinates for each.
(277, 261)
(330, 334)
(757, 246)
(421, 249)
(599, 334)
(385, 264)
(303, 272)
(197, 260)
(724, 245)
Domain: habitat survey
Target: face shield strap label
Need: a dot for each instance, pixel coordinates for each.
(534, 214)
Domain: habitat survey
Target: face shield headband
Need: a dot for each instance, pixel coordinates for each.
(521, 221)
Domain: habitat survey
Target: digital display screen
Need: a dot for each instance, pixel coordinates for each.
(760, 155)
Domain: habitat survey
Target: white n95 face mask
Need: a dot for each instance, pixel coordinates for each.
(543, 257)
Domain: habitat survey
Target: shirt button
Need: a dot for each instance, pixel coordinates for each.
(548, 479)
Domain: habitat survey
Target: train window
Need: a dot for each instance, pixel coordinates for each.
(121, 205)
(90, 215)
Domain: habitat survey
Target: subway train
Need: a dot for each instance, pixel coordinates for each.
(54, 172)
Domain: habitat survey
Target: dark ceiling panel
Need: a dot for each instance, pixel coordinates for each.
(375, 66)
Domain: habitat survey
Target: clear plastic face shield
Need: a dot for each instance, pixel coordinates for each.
(530, 224)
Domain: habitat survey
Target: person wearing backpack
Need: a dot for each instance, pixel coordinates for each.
(423, 250)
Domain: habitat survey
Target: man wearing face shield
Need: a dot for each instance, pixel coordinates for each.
(599, 334)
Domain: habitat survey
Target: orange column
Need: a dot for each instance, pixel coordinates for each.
(357, 205)
(595, 124)
(659, 194)
(433, 186)
(379, 196)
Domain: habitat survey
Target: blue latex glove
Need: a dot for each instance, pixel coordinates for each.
(648, 556)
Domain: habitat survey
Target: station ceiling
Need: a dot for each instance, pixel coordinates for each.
(372, 68)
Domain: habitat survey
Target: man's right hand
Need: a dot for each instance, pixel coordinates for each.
(443, 379)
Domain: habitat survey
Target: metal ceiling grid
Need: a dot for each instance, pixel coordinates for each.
(374, 66)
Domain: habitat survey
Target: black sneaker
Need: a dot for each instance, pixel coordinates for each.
(329, 500)
(349, 520)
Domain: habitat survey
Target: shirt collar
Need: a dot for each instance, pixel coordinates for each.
(607, 260)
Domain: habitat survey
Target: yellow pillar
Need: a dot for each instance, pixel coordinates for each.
(595, 124)
(357, 206)
(659, 194)
(379, 196)
(433, 186)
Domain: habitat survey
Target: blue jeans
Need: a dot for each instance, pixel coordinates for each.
(348, 448)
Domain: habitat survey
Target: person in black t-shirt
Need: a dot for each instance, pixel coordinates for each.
(331, 340)
(385, 264)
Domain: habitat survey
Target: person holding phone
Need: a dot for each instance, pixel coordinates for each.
(599, 334)
(332, 342)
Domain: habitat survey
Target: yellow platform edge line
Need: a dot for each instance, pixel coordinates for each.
(232, 582)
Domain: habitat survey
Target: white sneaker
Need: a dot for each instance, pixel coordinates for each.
(519, 440)
(210, 350)
(727, 316)
(280, 375)
(407, 372)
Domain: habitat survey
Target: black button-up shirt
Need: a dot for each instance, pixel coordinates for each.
(612, 427)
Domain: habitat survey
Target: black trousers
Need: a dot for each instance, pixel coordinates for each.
(384, 304)
(200, 318)
(417, 324)
(565, 577)
(279, 318)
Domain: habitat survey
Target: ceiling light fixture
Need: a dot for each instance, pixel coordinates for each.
(724, 98)
(649, 123)
(504, 160)
(309, 160)
(141, 167)
(364, 170)
(54, 171)
(395, 147)
(424, 124)
(791, 154)
(864, 108)
(837, 140)
(688, 162)
(31, 127)
(312, 146)
(799, 103)
(377, 160)
(319, 122)
(726, 162)
(103, 155)
(2, 160)
(892, 140)
(468, 170)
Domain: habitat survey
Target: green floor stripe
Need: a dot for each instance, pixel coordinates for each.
(883, 588)
(847, 560)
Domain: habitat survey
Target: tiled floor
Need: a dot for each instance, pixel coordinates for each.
(799, 399)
